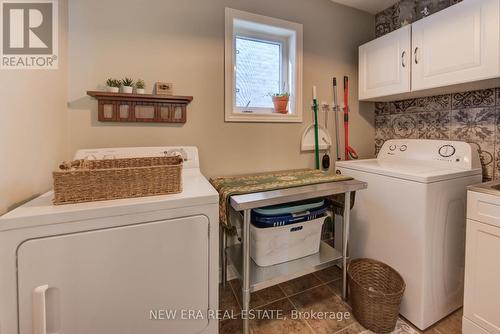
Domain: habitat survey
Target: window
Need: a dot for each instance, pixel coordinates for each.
(263, 56)
(258, 72)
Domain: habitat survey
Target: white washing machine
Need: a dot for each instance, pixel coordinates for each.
(113, 267)
(412, 217)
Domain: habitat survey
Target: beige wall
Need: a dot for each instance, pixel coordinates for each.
(182, 42)
(33, 125)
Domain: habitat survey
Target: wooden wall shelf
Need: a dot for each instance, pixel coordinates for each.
(122, 107)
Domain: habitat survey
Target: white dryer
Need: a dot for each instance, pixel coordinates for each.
(113, 267)
(412, 217)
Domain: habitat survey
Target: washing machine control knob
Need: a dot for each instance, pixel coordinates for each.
(403, 148)
(447, 151)
(392, 147)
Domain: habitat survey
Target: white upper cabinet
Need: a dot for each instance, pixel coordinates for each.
(445, 52)
(457, 45)
(384, 65)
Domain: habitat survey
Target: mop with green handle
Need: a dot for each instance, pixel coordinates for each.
(316, 136)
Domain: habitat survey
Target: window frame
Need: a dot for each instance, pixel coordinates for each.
(266, 29)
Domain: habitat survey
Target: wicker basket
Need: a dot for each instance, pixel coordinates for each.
(376, 293)
(98, 180)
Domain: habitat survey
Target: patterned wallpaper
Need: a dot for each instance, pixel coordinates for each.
(473, 117)
(407, 11)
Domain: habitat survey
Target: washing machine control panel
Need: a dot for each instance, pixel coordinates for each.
(444, 152)
(447, 151)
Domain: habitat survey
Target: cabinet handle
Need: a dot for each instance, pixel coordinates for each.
(415, 55)
(40, 310)
(403, 59)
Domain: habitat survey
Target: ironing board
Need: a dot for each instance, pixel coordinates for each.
(256, 278)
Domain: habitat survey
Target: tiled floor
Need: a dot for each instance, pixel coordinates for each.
(318, 292)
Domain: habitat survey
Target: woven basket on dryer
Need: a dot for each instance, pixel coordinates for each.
(376, 292)
(98, 180)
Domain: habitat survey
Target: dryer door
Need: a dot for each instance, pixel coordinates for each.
(124, 280)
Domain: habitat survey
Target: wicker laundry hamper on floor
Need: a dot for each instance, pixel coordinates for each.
(376, 293)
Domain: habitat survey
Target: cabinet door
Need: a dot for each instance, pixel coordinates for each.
(122, 280)
(457, 45)
(482, 276)
(384, 65)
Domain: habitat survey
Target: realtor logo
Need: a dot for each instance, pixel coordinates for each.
(29, 37)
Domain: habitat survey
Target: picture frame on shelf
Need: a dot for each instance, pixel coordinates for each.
(164, 88)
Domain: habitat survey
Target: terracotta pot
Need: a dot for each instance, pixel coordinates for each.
(280, 104)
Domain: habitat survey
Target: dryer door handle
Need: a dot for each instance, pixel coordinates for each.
(40, 310)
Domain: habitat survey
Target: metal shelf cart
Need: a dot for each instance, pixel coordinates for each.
(256, 278)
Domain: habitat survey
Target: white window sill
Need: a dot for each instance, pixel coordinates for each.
(268, 118)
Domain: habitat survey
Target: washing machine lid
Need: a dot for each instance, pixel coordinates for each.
(413, 171)
(421, 160)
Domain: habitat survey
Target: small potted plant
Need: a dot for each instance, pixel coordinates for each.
(113, 85)
(127, 85)
(139, 86)
(280, 101)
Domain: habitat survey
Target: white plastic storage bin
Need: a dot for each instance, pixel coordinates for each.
(273, 245)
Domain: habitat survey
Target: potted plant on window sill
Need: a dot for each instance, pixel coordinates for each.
(127, 85)
(113, 85)
(139, 86)
(280, 102)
